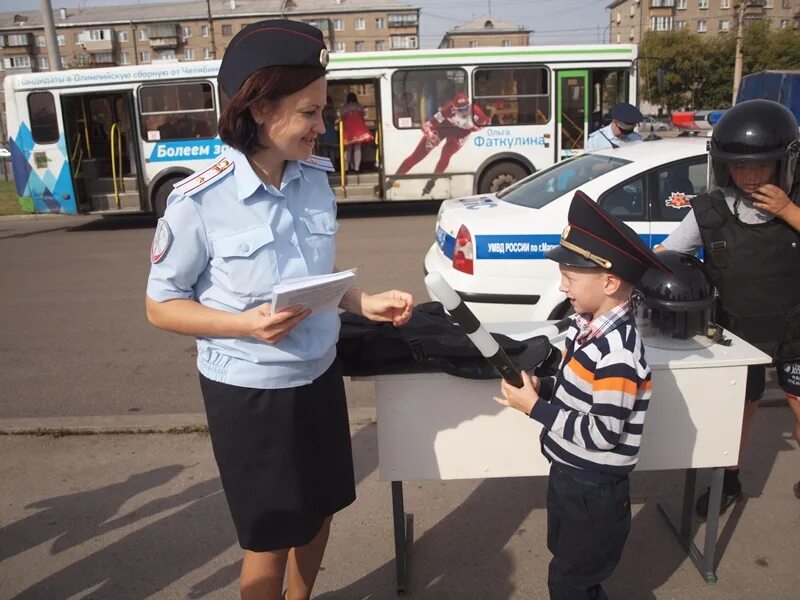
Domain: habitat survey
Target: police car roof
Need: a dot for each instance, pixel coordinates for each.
(658, 152)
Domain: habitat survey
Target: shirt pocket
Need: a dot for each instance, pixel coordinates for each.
(246, 263)
(321, 227)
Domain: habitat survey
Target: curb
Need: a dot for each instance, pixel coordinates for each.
(33, 216)
(131, 424)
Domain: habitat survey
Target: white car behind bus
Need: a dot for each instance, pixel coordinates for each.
(490, 248)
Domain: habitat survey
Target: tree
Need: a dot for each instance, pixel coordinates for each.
(674, 66)
(680, 69)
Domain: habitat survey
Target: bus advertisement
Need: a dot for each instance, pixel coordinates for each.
(445, 123)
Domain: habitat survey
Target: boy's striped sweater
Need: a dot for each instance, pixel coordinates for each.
(593, 410)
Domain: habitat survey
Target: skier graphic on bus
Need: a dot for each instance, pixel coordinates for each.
(453, 123)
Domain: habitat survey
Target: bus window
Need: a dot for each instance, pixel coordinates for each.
(44, 121)
(418, 94)
(608, 88)
(513, 96)
(177, 111)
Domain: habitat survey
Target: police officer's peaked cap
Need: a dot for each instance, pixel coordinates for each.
(271, 43)
(626, 113)
(596, 239)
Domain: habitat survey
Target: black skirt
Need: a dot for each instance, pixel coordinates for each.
(284, 457)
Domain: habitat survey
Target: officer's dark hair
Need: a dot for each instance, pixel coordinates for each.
(237, 127)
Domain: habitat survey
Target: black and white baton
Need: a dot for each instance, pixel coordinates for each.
(476, 332)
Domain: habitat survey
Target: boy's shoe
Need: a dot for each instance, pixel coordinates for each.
(797, 490)
(731, 493)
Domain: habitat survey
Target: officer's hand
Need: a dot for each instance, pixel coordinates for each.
(261, 323)
(394, 306)
(770, 198)
(524, 398)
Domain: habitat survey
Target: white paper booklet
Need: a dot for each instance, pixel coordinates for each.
(320, 293)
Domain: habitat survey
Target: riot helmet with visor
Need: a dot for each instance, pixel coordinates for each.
(755, 134)
(675, 310)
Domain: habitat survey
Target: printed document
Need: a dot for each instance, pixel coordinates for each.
(320, 293)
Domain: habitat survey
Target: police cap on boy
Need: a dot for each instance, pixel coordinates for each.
(594, 240)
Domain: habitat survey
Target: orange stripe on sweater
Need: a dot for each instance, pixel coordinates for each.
(581, 371)
(615, 384)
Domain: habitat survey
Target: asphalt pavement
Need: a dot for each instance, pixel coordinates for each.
(109, 489)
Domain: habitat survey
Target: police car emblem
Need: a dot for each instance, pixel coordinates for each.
(679, 200)
(161, 242)
(323, 57)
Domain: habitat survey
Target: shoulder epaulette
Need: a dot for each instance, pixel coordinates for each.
(318, 162)
(205, 177)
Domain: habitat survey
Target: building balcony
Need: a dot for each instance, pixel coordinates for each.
(164, 43)
(14, 67)
(98, 46)
(17, 41)
(662, 11)
(164, 36)
(394, 21)
(94, 41)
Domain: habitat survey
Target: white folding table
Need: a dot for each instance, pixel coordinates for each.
(433, 426)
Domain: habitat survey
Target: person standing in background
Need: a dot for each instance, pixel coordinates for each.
(356, 132)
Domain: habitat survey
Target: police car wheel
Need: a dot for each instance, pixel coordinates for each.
(501, 176)
(162, 193)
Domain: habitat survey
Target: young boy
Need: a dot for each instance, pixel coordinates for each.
(749, 229)
(593, 410)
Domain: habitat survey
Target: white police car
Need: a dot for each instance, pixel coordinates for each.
(490, 248)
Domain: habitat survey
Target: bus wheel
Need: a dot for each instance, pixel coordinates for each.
(162, 193)
(501, 176)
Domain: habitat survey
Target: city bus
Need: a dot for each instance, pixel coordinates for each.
(446, 123)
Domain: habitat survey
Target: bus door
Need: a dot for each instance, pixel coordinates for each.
(359, 166)
(573, 113)
(100, 139)
(43, 182)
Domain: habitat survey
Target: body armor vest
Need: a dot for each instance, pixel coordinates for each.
(756, 269)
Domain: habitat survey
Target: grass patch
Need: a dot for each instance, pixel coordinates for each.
(9, 205)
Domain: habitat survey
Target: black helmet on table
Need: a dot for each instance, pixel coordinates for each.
(756, 132)
(677, 308)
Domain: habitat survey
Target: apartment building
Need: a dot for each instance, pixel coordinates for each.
(630, 19)
(486, 31)
(145, 33)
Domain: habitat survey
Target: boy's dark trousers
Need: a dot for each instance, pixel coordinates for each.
(587, 525)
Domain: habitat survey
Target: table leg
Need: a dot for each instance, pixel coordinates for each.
(403, 535)
(712, 525)
(704, 561)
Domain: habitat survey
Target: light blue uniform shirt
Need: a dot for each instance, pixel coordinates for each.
(602, 138)
(231, 238)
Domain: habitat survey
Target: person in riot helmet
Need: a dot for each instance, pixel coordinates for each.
(748, 225)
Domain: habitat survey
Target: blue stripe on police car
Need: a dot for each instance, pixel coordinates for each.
(514, 247)
(447, 242)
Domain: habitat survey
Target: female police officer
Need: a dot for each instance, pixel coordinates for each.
(273, 392)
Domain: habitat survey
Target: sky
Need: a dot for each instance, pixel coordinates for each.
(553, 21)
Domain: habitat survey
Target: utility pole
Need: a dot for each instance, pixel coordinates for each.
(211, 30)
(134, 33)
(737, 65)
(53, 55)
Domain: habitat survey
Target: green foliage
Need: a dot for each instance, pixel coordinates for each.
(9, 204)
(682, 69)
